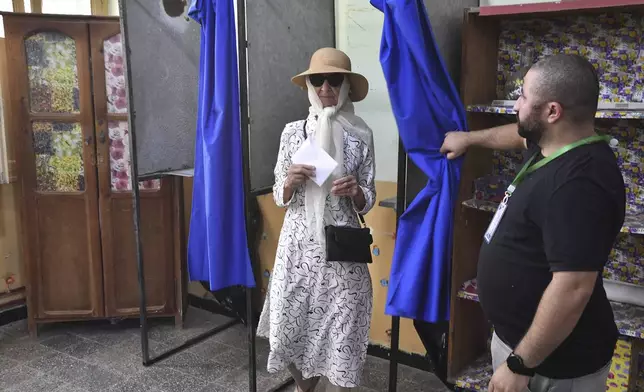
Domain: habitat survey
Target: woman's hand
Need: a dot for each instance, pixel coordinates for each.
(348, 186)
(345, 186)
(298, 174)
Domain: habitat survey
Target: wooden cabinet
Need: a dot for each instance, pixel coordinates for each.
(68, 121)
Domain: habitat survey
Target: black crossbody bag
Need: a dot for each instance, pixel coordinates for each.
(348, 244)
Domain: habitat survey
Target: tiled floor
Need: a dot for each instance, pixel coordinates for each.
(89, 357)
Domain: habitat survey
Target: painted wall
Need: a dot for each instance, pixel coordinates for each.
(358, 30)
(11, 268)
(10, 260)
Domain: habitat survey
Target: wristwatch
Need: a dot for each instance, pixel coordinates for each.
(515, 364)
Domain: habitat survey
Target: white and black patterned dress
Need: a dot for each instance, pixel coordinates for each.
(317, 313)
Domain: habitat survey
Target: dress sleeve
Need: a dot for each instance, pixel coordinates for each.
(287, 147)
(366, 179)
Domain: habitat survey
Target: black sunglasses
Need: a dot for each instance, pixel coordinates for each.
(334, 79)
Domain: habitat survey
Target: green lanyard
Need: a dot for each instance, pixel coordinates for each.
(529, 169)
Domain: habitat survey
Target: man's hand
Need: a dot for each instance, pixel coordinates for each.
(455, 144)
(298, 174)
(504, 380)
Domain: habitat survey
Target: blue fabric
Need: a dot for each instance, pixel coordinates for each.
(217, 247)
(426, 105)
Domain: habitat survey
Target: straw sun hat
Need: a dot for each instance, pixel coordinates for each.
(330, 60)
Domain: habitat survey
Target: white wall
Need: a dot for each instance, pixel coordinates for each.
(358, 31)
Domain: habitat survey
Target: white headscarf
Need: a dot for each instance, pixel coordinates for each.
(329, 135)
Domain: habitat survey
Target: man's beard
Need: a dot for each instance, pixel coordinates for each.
(530, 129)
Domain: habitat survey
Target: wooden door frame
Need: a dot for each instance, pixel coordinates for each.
(18, 28)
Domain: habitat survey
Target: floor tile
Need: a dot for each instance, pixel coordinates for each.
(216, 388)
(24, 349)
(61, 342)
(83, 349)
(376, 380)
(183, 383)
(99, 379)
(7, 363)
(111, 358)
(48, 362)
(236, 336)
(42, 383)
(155, 377)
(16, 329)
(104, 357)
(132, 386)
(237, 380)
(198, 367)
(71, 388)
(70, 369)
(16, 376)
(229, 355)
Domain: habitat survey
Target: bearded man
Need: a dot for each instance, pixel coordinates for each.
(539, 270)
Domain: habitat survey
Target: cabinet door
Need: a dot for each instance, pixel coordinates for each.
(52, 123)
(120, 274)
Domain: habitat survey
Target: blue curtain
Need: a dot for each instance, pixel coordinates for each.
(426, 105)
(217, 247)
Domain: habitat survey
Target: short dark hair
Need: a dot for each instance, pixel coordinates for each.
(571, 81)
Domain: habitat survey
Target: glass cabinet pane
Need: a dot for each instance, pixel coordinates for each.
(114, 75)
(53, 75)
(120, 160)
(58, 148)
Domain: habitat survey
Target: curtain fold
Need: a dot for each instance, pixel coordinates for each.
(426, 105)
(217, 244)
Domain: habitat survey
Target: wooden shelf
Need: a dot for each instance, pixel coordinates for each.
(477, 376)
(555, 6)
(610, 114)
(629, 318)
(633, 222)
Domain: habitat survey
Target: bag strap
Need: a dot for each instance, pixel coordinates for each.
(360, 216)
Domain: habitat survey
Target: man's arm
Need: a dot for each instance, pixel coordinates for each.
(504, 137)
(560, 308)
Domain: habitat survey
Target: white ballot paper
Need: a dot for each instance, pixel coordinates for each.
(313, 155)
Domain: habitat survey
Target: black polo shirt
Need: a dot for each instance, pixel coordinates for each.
(565, 216)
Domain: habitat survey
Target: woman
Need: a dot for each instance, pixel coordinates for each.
(318, 312)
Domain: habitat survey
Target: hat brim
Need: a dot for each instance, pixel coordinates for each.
(359, 84)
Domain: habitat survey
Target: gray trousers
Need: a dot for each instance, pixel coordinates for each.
(595, 382)
(310, 384)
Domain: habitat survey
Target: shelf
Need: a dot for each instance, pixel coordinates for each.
(633, 222)
(477, 376)
(629, 318)
(611, 114)
(554, 7)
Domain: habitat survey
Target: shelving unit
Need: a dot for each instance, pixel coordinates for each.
(633, 222)
(610, 37)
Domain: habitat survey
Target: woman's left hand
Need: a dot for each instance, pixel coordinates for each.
(346, 186)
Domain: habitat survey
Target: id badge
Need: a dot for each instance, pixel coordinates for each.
(489, 233)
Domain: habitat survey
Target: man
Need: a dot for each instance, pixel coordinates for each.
(539, 270)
